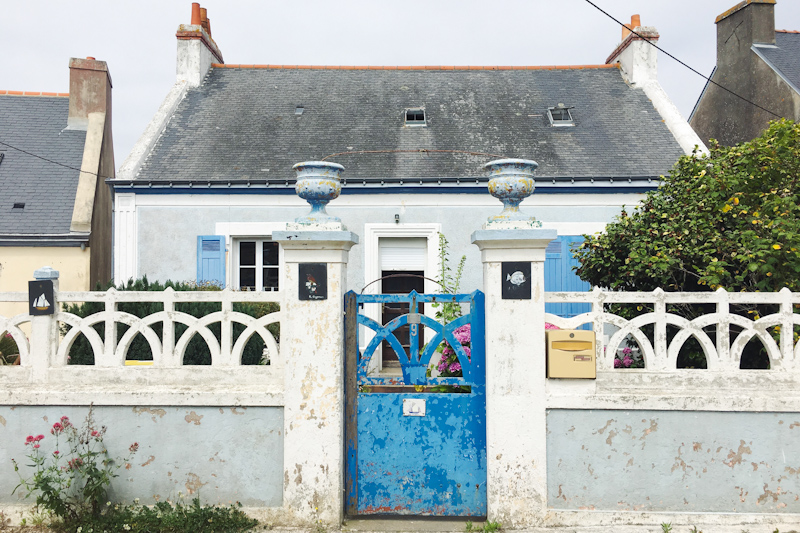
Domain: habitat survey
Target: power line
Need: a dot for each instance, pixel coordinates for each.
(651, 43)
(53, 162)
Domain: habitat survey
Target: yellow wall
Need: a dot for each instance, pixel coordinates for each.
(18, 263)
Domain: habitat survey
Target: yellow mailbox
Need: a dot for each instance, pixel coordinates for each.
(570, 354)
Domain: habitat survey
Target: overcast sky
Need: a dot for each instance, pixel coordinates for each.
(137, 39)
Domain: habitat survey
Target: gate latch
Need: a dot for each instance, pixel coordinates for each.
(413, 318)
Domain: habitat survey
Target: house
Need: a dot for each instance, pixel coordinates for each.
(55, 208)
(758, 63)
(211, 177)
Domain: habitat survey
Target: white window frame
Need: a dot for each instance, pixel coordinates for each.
(372, 270)
(235, 232)
(259, 266)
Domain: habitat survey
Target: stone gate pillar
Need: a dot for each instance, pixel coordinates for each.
(513, 253)
(312, 346)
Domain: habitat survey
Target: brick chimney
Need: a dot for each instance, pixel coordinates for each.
(638, 59)
(196, 49)
(89, 91)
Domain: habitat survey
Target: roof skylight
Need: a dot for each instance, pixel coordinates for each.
(415, 117)
(560, 115)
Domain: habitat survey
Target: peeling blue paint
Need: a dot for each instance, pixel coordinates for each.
(434, 464)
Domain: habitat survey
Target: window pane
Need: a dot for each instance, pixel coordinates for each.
(247, 279)
(270, 253)
(247, 253)
(270, 279)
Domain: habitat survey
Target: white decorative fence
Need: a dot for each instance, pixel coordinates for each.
(723, 349)
(44, 343)
(166, 351)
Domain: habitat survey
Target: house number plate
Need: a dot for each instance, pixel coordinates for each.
(413, 407)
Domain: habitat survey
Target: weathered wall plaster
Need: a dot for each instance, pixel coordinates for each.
(219, 454)
(690, 461)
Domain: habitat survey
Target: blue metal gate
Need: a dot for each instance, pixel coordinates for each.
(416, 444)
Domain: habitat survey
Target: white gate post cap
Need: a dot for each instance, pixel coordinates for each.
(45, 272)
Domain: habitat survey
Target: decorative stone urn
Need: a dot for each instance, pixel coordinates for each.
(511, 181)
(318, 183)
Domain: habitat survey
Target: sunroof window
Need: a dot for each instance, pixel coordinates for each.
(18, 205)
(299, 110)
(415, 117)
(560, 115)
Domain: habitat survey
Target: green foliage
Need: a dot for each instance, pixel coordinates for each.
(71, 479)
(8, 349)
(163, 517)
(730, 220)
(197, 352)
(449, 281)
(666, 527)
(727, 220)
(695, 530)
(487, 527)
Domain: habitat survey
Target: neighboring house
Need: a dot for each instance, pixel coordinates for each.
(55, 209)
(211, 178)
(756, 62)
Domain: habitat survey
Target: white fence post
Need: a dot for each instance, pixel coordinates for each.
(312, 348)
(44, 331)
(107, 358)
(516, 424)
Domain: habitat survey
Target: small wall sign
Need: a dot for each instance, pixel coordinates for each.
(516, 280)
(313, 282)
(40, 298)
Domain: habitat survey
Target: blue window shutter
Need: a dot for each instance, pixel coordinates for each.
(211, 259)
(560, 276)
(553, 274)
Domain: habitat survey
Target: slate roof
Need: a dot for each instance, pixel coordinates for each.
(786, 57)
(35, 124)
(240, 124)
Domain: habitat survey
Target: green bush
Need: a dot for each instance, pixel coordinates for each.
(197, 352)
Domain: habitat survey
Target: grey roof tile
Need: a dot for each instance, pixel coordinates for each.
(786, 57)
(240, 122)
(35, 124)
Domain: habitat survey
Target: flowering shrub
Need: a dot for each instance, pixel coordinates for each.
(449, 366)
(72, 479)
(628, 358)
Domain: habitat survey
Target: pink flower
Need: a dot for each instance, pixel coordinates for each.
(627, 351)
(548, 325)
(39, 437)
(29, 439)
(455, 367)
(35, 445)
(617, 363)
(56, 452)
(468, 351)
(463, 334)
(627, 361)
(95, 433)
(134, 447)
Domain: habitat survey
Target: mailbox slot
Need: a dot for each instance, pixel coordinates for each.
(571, 354)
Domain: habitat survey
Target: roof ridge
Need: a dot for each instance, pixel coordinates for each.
(420, 67)
(31, 93)
(787, 31)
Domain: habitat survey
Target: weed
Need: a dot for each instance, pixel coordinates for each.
(488, 527)
(71, 479)
(695, 530)
(666, 527)
(4, 521)
(164, 517)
